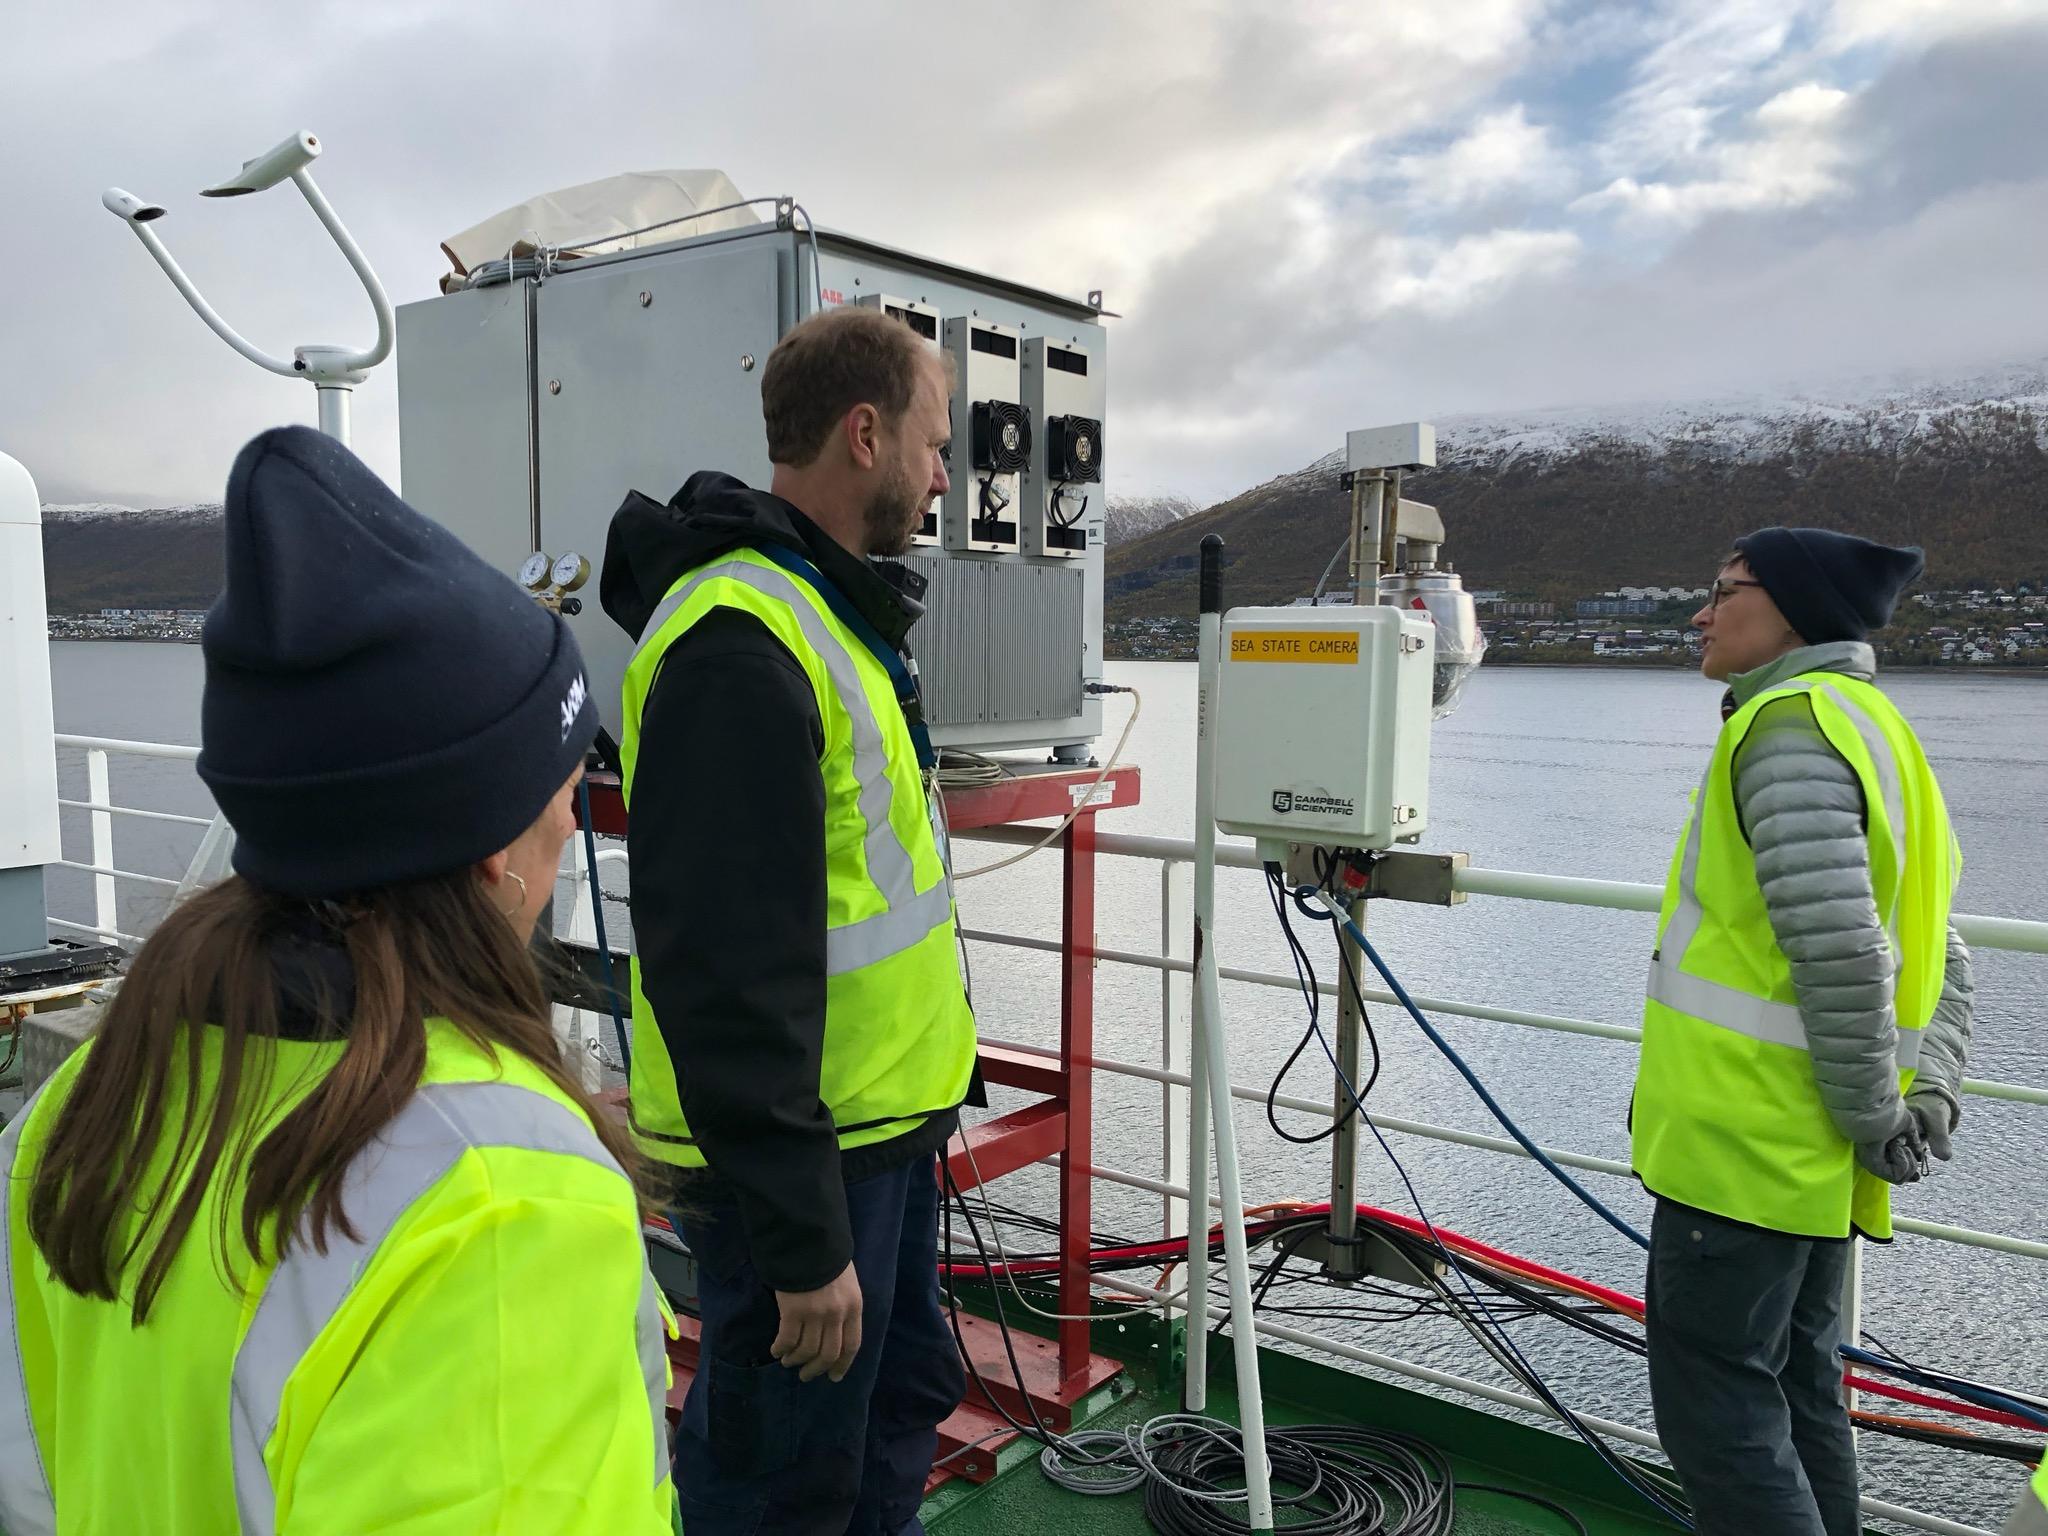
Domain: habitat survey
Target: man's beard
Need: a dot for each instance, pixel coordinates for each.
(894, 517)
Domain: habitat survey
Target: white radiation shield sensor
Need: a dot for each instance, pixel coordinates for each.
(270, 167)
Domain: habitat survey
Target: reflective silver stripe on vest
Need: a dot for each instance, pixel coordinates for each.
(908, 914)
(26, 1508)
(1730, 1007)
(1879, 746)
(1890, 784)
(651, 1333)
(424, 1141)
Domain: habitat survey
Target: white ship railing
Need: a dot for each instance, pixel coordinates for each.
(101, 810)
(1175, 856)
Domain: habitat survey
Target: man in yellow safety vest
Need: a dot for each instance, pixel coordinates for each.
(802, 1040)
(1804, 1034)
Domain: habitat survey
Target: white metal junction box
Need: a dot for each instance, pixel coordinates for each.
(926, 321)
(1411, 445)
(992, 438)
(1062, 481)
(1323, 719)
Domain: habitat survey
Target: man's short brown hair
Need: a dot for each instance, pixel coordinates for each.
(829, 364)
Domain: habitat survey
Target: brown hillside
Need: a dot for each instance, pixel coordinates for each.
(1973, 492)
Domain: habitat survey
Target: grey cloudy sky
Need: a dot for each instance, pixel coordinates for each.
(1313, 216)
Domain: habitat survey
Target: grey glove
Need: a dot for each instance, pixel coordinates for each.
(2029, 1518)
(1898, 1158)
(1936, 1114)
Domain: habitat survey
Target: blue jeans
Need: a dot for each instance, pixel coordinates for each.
(760, 1452)
(1743, 1328)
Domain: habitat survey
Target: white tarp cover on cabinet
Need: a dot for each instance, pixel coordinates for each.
(592, 216)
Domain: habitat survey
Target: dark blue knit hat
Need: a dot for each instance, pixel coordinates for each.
(1830, 586)
(380, 704)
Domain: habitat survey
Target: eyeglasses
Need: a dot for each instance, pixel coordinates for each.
(1723, 589)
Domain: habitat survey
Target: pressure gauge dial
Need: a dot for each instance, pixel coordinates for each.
(571, 571)
(533, 575)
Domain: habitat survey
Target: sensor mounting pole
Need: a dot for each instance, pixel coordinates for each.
(1375, 458)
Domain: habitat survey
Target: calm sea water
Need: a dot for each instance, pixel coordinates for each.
(1566, 771)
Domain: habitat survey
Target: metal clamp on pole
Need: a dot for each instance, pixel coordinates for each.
(1426, 879)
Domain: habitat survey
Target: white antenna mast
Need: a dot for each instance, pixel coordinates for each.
(333, 371)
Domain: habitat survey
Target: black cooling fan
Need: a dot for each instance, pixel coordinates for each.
(1073, 449)
(1001, 436)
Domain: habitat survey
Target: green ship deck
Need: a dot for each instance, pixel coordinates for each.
(1483, 1448)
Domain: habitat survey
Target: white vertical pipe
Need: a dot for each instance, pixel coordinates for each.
(105, 909)
(1195, 1386)
(1175, 936)
(334, 411)
(1212, 1047)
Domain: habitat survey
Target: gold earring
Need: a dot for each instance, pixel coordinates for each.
(513, 911)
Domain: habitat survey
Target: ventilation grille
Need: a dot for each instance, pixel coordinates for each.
(1073, 449)
(1001, 436)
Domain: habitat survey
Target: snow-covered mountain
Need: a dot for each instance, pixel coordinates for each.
(1882, 413)
(1580, 499)
(1132, 517)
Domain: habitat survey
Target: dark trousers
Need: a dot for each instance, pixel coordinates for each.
(1743, 1329)
(761, 1453)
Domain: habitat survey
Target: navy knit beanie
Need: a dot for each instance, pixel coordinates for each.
(380, 704)
(1830, 586)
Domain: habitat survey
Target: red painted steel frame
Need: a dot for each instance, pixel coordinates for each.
(1026, 1135)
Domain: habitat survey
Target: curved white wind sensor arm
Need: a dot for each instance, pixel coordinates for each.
(139, 216)
(387, 327)
(291, 158)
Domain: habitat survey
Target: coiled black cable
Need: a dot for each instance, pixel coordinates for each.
(1347, 1481)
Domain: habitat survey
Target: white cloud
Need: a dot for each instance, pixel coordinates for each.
(1444, 280)
(1078, 145)
(1854, 22)
(1797, 156)
(1706, 57)
(1312, 215)
(1503, 153)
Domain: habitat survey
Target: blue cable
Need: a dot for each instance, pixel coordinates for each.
(604, 947)
(1592, 1201)
(1592, 1441)
(1969, 1392)
(1649, 1495)
(1983, 1397)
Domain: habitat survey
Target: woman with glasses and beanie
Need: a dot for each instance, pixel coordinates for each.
(318, 1235)
(1807, 1019)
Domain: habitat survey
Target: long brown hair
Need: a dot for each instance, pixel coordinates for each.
(430, 948)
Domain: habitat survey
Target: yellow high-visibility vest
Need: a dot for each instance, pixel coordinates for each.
(1727, 1116)
(484, 1351)
(899, 1036)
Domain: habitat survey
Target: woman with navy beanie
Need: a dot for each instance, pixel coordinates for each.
(319, 1234)
(1804, 1034)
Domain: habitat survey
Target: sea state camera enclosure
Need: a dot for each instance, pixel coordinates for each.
(1324, 717)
